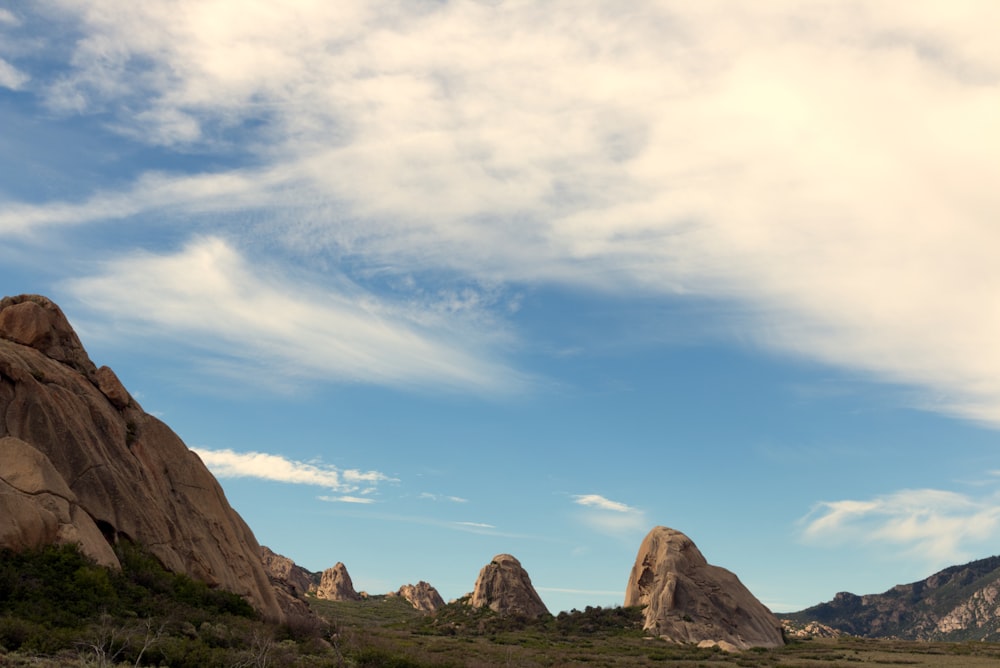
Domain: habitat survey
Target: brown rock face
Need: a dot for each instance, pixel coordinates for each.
(37, 507)
(688, 600)
(504, 587)
(335, 585)
(421, 596)
(290, 583)
(95, 460)
(287, 573)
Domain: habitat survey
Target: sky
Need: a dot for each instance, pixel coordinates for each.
(425, 282)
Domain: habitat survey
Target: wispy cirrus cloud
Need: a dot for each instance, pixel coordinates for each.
(362, 500)
(859, 209)
(474, 526)
(441, 497)
(941, 527)
(11, 77)
(335, 332)
(228, 463)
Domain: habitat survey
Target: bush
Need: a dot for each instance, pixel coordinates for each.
(55, 598)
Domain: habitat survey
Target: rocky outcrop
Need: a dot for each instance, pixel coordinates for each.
(810, 629)
(421, 596)
(79, 455)
(980, 611)
(956, 604)
(504, 586)
(286, 573)
(688, 600)
(335, 585)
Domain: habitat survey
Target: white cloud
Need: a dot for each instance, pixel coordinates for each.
(941, 527)
(598, 501)
(474, 525)
(611, 517)
(11, 77)
(231, 464)
(346, 499)
(207, 291)
(830, 167)
(441, 497)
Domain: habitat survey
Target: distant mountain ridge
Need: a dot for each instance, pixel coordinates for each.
(958, 603)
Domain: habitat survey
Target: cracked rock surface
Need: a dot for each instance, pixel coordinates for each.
(688, 600)
(80, 461)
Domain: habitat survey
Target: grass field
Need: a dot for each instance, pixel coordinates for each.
(387, 632)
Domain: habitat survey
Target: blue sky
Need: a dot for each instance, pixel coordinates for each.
(426, 282)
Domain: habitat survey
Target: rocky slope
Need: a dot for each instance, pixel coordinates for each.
(690, 601)
(504, 587)
(287, 574)
(958, 603)
(81, 462)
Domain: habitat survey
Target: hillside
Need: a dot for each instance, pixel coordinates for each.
(957, 603)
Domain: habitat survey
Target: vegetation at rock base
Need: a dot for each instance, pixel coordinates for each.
(58, 604)
(58, 609)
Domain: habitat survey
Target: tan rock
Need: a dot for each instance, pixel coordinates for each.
(421, 596)
(721, 644)
(37, 507)
(112, 388)
(129, 473)
(504, 587)
(690, 601)
(810, 629)
(36, 321)
(290, 583)
(335, 585)
(285, 572)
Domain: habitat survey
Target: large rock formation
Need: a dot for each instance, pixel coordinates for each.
(504, 587)
(79, 458)
(688, 600)
(421, 596)
(335, 585)
(956, 604)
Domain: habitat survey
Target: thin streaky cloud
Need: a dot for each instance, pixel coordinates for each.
(336, 332)
(441, 497)
(476, 525)
(228, 463)
(346, 499)
(598, 501)
(482, 528)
